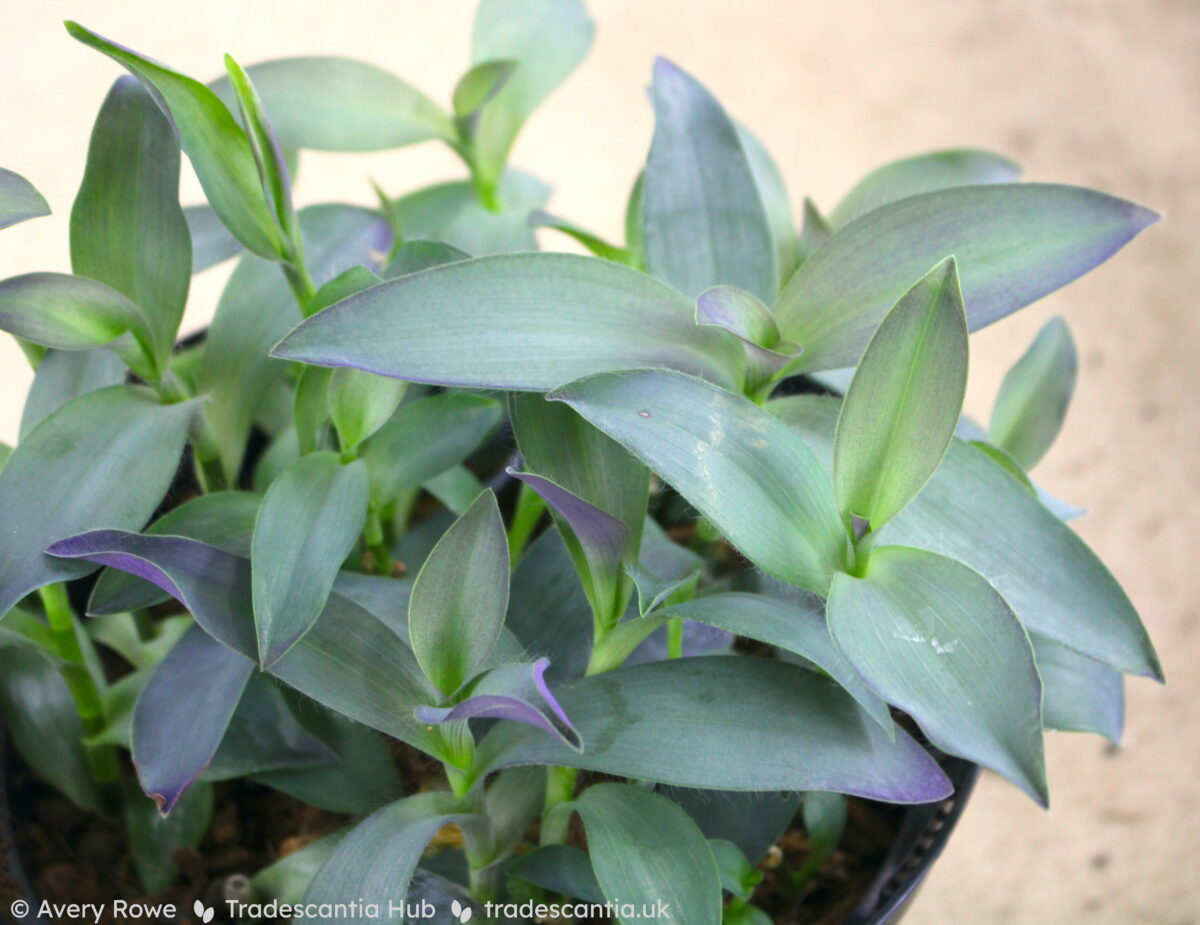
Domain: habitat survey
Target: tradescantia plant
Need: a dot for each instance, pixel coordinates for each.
(565, 524)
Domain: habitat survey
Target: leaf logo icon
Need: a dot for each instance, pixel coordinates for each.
(203, 913)
(463, 914)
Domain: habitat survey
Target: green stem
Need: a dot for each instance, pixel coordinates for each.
(560, 788)
(526, 515)
(302, 285)
(377, 543)
(102, 759)
(675, 638)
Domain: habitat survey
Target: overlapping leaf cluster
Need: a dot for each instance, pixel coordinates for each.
(522, 608)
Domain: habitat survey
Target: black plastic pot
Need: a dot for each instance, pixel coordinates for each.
(924, 831)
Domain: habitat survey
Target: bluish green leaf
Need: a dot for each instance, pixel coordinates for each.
(263, 735)
(127, 229)
(460, 596)
(286, 879)
(196, 688)
(361, 778)
(75, 313)
(523, 322)
(339, 104)
(211, 241)
(903, 405)
(776, 201)
(547, 39)
(547, 609)
(475, 88)
(425, 438)
(361, 403)
(375, 861)
(738, 312)
(257, 308)
(937, 641)
(788, 625)
(752, 821)
(224, 519)
(307, 525)
(350, 661)
(1054, 583)
(453, 214)
(60, 480)
(814, 230)
(738, 876)
(725, 723)
(1078, 693)
(1014, 243)
(824, 823)
(704, 219)
(153, 839)
(19, 201)
(732, 460)
(1034, 396)
(217, 147)
(923, 173)
(560, 869)
(415, 256)
(649, 854)
(39, 715)
(66, 374)
(456, 488)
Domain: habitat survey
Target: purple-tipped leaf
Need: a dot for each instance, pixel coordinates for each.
(181, 716)
(515, 692)
(1014, 243)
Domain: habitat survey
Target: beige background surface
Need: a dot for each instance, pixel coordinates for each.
(1104, 93)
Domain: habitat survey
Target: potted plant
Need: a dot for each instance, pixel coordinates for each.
(633, 562)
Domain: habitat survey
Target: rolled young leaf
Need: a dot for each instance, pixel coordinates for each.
(524, 322)
(1054, 583)
(183, 713)
(733, 461)
(649, 856)
(19, 200)
(704, 219)
(307, 525)
(75, 313)
(224, 519)
(127, 229)
(513, 692)
(215, 144)
(547, 39)
(937, 641)
(1014, 244)
(1034, 395)
(60, 480)
(902, 407)
(684, 722)
(375, 861)
(923, 173)
(459, 598)
(339, 104)
(274, 177)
